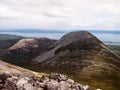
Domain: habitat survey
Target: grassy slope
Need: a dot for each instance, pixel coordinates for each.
(115, 48)
(105, 82)
(110, 83)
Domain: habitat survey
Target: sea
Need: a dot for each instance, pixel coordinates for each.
(107, 38)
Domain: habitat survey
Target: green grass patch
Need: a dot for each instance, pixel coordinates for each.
(106, 82)
(115, 48)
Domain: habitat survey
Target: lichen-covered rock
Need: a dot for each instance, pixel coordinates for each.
(59, 77)
(4, 75)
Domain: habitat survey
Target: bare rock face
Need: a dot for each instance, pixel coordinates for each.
(24, 50)
(24, 43)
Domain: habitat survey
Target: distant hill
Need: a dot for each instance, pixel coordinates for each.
(6, 41)
(8, 37)
(104, 31)
(5, 44)
(59, 31)
(33, 31)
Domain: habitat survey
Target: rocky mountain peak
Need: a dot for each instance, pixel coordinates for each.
(74, 36)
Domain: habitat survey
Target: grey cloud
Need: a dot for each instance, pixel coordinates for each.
(5, 19)
(53, 15)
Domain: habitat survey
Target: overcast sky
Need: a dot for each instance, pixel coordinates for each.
(60, 14)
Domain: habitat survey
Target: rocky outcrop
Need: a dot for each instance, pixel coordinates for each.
(16, 78)
(52, 82)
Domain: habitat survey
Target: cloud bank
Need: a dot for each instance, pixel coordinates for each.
(60, 14)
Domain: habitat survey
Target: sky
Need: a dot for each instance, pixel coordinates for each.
(60, 14)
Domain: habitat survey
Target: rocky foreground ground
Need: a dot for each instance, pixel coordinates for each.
(53, 81)
(16, 78)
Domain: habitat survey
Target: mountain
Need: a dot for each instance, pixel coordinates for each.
(82, 56)
(26, 49)
(79, 45)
